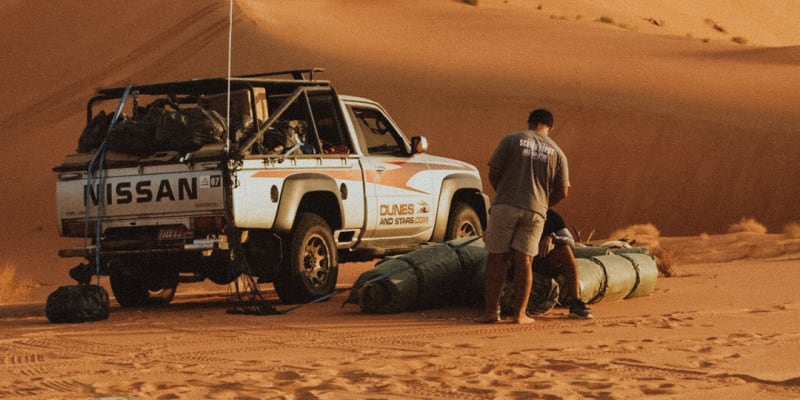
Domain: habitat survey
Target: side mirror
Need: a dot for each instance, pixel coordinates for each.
(419, 144)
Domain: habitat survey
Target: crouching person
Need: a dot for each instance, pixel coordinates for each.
(556, 257)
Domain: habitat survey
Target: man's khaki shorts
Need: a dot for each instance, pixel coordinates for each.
(513, 228)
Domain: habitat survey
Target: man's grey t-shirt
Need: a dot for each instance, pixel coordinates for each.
(531, 166)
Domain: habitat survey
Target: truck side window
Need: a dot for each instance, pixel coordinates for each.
(379, 135)
(329, 125)
(292, 132)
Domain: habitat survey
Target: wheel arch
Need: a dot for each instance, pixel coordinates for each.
(308, 192)
(464, 188)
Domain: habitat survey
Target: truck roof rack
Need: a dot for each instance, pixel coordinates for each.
(198, 86)
(295, 73)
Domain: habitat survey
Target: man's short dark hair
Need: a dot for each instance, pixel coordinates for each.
(541, 116)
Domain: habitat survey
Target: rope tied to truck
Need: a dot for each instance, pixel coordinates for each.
(97, 166)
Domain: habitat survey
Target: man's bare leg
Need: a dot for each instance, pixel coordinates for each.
(523, 282)
(496, 268)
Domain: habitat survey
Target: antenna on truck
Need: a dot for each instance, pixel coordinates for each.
(228, 101)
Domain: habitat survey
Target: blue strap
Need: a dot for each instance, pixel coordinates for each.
(98, 160)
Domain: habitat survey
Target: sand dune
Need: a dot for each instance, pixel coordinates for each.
(660, 126)
(678, 113)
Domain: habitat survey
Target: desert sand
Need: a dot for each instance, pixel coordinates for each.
(679, 114)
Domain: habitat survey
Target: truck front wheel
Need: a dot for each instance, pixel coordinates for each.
(311, 267)
(463, 222)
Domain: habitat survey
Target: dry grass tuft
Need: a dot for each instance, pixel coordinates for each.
(747, 225)
(605, 19)
(792, 230)
(12, 287)
(641, 234)
(739, 39)
(664, 262)
(647, 235)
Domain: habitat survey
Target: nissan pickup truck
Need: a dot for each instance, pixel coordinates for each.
(274, 175)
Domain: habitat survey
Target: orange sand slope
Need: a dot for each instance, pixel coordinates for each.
(664, 117)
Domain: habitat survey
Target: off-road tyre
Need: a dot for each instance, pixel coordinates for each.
(462, 222)
(131, 288)
(310, 267)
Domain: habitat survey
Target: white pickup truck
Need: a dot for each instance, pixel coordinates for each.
(162, 191)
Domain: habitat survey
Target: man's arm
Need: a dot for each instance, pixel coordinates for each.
(558, 194)
(494, 176)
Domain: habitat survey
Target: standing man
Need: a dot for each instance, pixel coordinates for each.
(529, 173)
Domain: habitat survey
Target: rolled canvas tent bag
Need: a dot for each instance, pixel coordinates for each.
(454, 273)
(646, 271)
(620, 277)
(590, 251)
(436, 275)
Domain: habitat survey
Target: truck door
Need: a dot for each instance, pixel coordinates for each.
(399, 198)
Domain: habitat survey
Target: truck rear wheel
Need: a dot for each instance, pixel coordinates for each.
(141, 285)
(311, 267)
(463, 222)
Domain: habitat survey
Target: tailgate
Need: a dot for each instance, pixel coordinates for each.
(133, 196)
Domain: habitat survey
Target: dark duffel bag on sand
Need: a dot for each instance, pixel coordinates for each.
(78, 303)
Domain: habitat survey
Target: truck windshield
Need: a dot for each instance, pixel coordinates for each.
(378, 133)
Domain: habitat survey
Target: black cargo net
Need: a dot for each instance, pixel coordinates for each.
(245, 297)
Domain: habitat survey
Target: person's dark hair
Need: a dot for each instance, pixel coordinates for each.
(541, 116)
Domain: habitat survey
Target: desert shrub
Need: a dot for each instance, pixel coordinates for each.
(739, 39)
(471, 2)
(747, 225)
(647, 235)
(12, 287)
(664, 262)
(606, 20)
(792, 230)
(636, 232)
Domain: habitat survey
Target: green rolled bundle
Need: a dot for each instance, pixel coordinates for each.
(390, 287)
(590, 251)
(454, 273)
(591, 280)
(620, 276)
(435, 275)
(646, 270)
